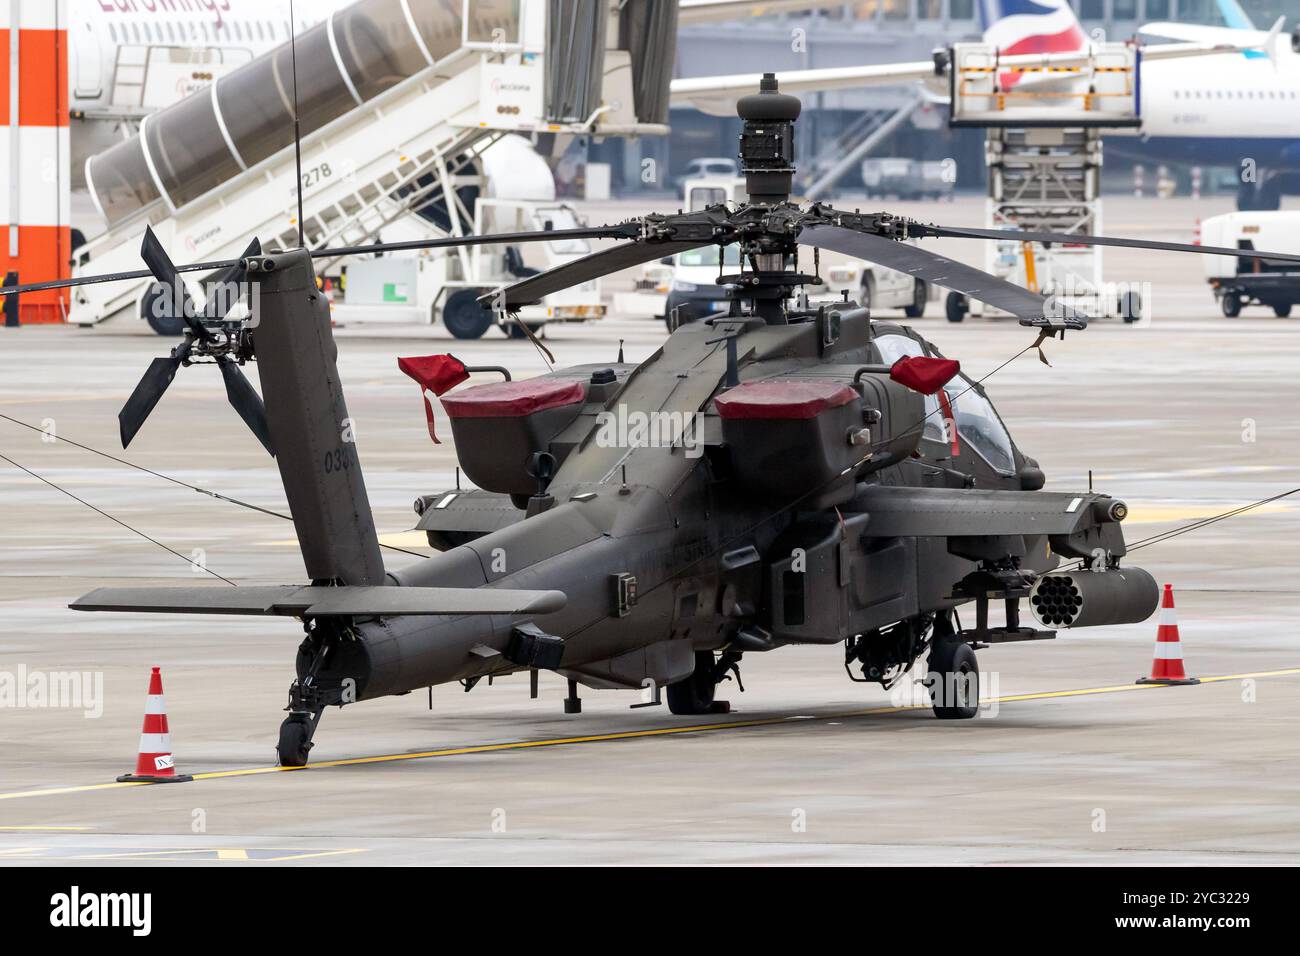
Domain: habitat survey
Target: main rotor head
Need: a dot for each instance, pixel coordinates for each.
(767, 141)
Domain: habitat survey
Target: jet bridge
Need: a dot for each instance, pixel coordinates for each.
(1043, 127)
(397, 101)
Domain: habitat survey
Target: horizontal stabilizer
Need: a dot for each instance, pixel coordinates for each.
(294, 601)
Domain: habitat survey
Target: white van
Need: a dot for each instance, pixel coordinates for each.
(878, 288)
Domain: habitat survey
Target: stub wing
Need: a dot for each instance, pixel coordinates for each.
(311, 601)
(898, 511)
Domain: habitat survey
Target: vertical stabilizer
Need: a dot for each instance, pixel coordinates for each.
(309, 424)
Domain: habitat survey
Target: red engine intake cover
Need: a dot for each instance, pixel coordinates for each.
(783, 399)
(513, 399)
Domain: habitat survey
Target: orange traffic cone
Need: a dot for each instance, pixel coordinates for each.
(1167, 668)
(155, 764)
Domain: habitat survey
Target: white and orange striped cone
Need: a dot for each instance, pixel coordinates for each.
(155, 763)
(1167, 667)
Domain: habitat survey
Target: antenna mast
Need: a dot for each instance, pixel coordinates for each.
(297, 128)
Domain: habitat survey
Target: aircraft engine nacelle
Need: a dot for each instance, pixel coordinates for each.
(1094, 598)
(791, 437)
(499, 427)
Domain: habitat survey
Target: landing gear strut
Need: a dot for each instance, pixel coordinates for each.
(316, 688)
(695, 694)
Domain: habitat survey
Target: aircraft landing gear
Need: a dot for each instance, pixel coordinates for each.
(695, 694)
(318, 686)
(954, 676)
(295, 739)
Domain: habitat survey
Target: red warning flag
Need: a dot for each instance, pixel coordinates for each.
(924, 374)
(434, 373)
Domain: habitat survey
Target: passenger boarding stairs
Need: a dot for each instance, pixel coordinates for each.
(410, 147)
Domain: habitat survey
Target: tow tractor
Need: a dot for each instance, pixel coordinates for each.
(1237, 283)
(449, 285)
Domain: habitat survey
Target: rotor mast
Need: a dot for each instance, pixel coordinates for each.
(767, 161)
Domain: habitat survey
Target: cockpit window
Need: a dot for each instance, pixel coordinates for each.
(894, 347)
(979, 427)
(977, 423)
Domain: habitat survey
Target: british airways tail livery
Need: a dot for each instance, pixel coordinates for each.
(1031, 26)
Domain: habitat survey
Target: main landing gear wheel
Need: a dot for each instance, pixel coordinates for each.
(695, 694)
(295, 741)
(954, 680)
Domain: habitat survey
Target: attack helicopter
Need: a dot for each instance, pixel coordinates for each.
(840, 481)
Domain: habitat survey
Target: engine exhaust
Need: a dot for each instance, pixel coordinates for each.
(1094, 598)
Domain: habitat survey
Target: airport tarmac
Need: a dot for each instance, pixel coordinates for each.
(1184, 418)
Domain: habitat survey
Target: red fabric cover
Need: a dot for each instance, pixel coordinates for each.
(434, 373)
(438, 373)
(783, 399)
(513, 399)
(922, 374)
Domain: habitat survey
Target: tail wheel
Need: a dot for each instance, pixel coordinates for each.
(920, 293)
(295, 742)
(954, 680)
(694, 694)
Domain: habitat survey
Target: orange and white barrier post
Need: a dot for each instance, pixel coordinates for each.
(35, 192)
(155, 763)
(1167, 667)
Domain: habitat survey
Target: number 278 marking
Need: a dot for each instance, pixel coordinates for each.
(316, 175)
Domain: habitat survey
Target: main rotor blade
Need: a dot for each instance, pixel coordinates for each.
(1070, 238)
(157, 377)
(585, 269)
(1029, 307)
(621, 231)
(247, 403)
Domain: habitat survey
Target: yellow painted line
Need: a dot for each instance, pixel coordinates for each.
(1151, 514)
(638, 734)
(310, 856)
(46, 828)
(223, 854)
(396, 539)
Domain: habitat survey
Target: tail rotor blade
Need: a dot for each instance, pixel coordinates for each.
(226, 284)
(164, 270)
(147, 393)
(245, 400)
